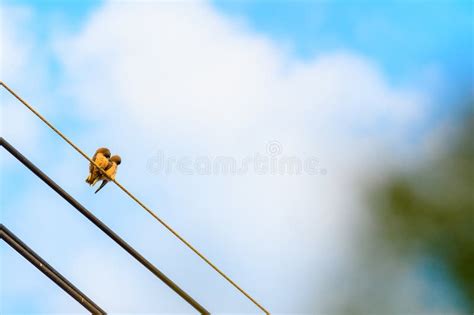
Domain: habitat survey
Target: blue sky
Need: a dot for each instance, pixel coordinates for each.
(352, 83)
(401, 36)
(409, 41)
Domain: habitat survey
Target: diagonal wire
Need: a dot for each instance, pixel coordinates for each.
(101, 226)
(61, 281)
(168, 227)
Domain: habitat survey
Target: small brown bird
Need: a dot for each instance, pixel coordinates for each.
(101, 158)
(110, 170)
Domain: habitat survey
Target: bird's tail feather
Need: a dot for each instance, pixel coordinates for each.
(104, 182)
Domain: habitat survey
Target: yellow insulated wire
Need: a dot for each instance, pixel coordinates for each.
(169, 228)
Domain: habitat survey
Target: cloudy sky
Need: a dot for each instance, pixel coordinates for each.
(347, 90)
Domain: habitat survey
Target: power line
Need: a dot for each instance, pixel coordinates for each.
(168, 227)
(16, 243)
(104, 228)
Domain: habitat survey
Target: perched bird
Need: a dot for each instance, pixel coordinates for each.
(101, 158)
(110, 170)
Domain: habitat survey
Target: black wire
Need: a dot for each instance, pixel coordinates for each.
(12, 240)
(117, 239)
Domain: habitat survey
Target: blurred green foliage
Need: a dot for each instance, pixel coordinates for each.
(430, 210)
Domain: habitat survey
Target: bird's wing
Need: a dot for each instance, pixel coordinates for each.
(96, 174)
(91, 166)
(112, 170)
(91, 176)
(102, 161)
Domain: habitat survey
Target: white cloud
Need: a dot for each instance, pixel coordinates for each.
(182, 78)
